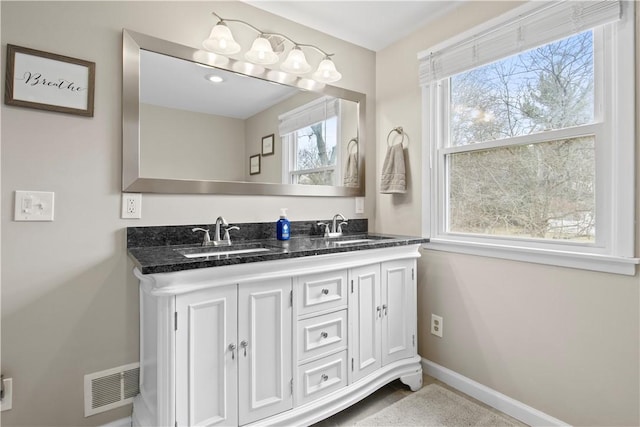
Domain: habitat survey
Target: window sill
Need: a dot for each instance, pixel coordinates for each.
(593, 262)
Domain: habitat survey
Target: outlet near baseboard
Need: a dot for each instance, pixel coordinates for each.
(436, 325)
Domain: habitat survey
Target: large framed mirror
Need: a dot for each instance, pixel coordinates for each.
(196, 122)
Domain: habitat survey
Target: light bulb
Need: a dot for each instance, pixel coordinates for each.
(296, 62)
(326, 72)
(221, 40)
(261, 52)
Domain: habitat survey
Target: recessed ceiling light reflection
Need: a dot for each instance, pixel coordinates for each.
(213, 78)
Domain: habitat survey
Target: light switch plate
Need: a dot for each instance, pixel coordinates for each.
(33, 206)
(359, 205)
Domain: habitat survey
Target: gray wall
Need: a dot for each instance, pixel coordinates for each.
(181, 144)
(563, 341)
(69, 299)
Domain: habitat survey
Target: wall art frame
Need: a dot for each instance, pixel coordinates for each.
(48, 81)
(268, 145)
(254, 164)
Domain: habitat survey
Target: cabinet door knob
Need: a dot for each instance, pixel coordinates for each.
(379, 310)
(324, 334)
(244, 345)
(324, 377)
(325, 291)
(384, 307)
(232, 348)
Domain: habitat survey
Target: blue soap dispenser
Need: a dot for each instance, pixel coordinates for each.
(283, 226)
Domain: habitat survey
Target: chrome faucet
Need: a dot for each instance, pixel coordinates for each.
(220, 221)
(206, 241)
(326, 228)
(335, 230)
(227, 237)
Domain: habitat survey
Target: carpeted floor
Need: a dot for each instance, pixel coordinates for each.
(434, 405)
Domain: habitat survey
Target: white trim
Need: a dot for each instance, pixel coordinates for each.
(583, 261)
(489, 396)
(613, 251)
(122, 422)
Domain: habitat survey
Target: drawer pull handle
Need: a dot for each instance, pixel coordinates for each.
(324, 334)
(232, 348)
(324, 377)
(325, 291)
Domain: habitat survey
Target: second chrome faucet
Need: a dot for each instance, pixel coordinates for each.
(335, 230)
(217, 240)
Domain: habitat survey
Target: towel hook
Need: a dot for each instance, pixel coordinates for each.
(400, 132)
(349, 146)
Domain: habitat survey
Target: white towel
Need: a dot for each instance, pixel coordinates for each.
(351, 171)
(393, 178)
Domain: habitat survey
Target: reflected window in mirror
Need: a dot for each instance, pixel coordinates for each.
(310, 138)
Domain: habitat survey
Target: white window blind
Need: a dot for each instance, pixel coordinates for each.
(542, 25)
(313, 112)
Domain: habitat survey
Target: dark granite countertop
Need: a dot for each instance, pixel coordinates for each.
(165, 258)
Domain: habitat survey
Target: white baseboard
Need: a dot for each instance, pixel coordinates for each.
(488, 396)
(123, 422)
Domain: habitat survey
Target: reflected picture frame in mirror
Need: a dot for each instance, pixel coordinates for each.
(133, 178)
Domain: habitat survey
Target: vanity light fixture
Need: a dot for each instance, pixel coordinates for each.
(262, 52)
(326, 71)
(221, 40)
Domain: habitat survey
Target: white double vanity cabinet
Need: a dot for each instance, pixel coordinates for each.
(281, 342)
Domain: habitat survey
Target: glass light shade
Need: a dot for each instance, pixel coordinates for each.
(261, 52)
(296, 63)
(221, 40)
(326, 72)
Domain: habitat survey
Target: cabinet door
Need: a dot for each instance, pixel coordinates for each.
(364, 316)
(264, 349)
(206, 368)
(398, 310)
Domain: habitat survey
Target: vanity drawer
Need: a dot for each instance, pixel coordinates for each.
(322, 291)
(321, 335)
(324, 376)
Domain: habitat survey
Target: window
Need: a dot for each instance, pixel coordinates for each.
(531, 138)
(310, 138)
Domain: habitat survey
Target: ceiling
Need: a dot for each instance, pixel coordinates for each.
(175, 83)
(371, 24)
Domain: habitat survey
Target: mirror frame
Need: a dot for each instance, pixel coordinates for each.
(132, 43)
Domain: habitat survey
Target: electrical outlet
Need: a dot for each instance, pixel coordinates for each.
(436, 325)
(131, 205)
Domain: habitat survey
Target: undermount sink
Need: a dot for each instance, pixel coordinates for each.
(353, 241)
(220, 251)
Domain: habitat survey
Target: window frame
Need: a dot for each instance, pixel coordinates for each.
(614, 118)
(290, 146)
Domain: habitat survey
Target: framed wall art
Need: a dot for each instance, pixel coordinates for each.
(267, 145)
(48, 81)
(254, 164)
